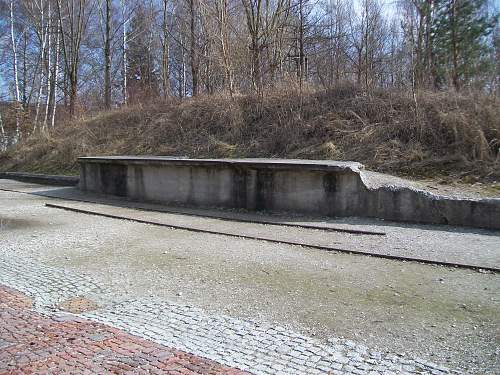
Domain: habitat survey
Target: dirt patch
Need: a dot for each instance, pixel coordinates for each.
(78, 305)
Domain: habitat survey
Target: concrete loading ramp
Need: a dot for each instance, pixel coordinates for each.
(325, 188)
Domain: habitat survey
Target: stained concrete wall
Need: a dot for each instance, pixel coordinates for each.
(310, 187)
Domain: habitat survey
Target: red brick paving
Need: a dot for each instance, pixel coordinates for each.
(31, 343)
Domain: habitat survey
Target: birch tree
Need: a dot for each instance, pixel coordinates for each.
(14, 63)
(165, 66)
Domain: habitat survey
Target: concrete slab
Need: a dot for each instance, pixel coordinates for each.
(313, 187)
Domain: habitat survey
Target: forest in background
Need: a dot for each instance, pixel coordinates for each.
(432, 66)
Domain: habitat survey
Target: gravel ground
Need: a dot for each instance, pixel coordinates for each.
(472, 247)
(459, 245)
(443, 315)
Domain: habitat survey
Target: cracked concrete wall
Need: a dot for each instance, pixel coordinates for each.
(309, 187)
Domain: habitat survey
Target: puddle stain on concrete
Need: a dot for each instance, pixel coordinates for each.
(7, 223)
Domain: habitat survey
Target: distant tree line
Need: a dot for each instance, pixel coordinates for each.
(71, 55)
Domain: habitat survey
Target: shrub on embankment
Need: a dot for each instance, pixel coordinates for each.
(434, 133)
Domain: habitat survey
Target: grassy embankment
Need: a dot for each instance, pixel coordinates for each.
(439, 134)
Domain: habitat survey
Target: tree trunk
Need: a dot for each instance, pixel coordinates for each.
(256, 65)
(222, 6)
(3, 139)
(74, 21)
(49, 78)
(107, 57)
(45, 32)
(16, 80)
(454, 47)
(55, 75)
(193, 52)
(165, 68)
(182, 70)
(25, 71)
(73, 92)
(124, 53)
(301, 43)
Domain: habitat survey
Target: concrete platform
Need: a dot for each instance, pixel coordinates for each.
(323, 188)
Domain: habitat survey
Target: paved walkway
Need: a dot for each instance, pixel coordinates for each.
(150, 334)
(32, 343)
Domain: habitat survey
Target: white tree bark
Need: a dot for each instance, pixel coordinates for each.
(44, 33)
(124, 51)
(49, 78)
(165, 67)
(56, 74)
(16, 79)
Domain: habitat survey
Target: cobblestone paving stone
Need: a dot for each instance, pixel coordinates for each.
(248, 345)
(47, 286)
(31, 342)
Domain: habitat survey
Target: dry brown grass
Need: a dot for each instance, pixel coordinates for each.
(442, 133)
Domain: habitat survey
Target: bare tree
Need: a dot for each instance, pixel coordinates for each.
(55, 56)
(221, 7)
(73, 18)
(3, 136)
(124, 50)
(55, 75)
(165, 66)
(107, 55)
(264, 18)
(14, 63)
(48, 65)
(193, 52)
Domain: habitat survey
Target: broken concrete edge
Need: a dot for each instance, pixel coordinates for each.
(428, 194)
(346, 189)
(423, 206)
(37, 178)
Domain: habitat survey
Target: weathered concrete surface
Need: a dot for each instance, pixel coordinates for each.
(324, 188)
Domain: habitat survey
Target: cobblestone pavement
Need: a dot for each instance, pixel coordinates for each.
(31, 340)
(34, 343)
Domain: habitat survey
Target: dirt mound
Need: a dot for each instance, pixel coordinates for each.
(431, 134)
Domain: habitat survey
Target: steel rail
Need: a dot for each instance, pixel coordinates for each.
(271, 240)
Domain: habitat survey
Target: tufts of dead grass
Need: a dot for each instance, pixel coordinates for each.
(439, 133)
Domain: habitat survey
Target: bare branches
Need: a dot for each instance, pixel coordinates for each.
(62, 55)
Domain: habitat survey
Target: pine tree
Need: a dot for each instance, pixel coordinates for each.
(460, 33)
(143, 75)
